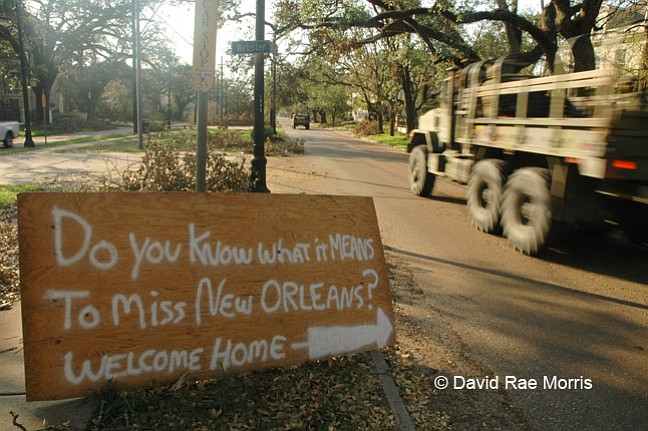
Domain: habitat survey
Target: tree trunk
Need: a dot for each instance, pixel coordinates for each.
(408, 99)
(513, 33)
(92, 107)
(583, 50)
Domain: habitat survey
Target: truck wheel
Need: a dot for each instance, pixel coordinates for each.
(8, 140)
(421, 181)
(485, 193)
(526, 209)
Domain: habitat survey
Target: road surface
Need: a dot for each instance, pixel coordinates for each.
(574, 321)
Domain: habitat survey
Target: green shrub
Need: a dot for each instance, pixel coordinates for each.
(72, 123)
(165, 169)
(267, 133)
(153, 126)
(224, 139)
(366, 128)
(284, 147)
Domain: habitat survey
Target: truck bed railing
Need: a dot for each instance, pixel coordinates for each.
(577, 95)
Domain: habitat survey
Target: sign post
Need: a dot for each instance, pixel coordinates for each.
(259, 160)
(203, 78)
(199, 292)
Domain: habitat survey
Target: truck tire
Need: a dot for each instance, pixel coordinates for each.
(485, 186)
(526, 209)
(8, 140)
(421, 181)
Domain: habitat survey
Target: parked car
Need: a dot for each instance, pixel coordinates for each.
(8, 131)
(301, 120)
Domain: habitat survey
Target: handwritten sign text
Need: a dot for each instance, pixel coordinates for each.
(138, 287)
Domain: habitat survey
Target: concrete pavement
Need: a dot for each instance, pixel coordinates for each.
(45, 162)
(33, 415)
(26, 168)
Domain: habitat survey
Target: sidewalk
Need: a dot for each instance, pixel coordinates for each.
(12, 386)
(40, 140)
(46, 162)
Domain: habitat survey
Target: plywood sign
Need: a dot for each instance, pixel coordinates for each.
(142, 287)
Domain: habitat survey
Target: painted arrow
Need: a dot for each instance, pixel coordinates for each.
(336, 340)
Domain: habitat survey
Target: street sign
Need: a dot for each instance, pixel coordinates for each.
(142, 287)
(253, 47)
(204, 60)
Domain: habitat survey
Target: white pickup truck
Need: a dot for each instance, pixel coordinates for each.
(8, 131)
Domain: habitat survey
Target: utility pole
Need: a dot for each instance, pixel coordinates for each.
(259, 161)
(273, 110)
(221, 98)
(29, 141)
(169, 78)
(138, 83)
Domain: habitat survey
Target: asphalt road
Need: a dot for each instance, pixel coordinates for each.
(579, 312)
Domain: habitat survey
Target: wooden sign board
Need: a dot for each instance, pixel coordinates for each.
(142, 287)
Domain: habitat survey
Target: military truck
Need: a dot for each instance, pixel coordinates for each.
(301, 120)
(537, 152)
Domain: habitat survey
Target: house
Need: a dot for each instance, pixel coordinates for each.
(11, 98)
(10, 93)
(620, 40)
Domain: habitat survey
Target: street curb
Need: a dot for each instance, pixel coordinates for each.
(403, 419)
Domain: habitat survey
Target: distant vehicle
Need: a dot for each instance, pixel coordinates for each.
(8, 131)
(301, 120)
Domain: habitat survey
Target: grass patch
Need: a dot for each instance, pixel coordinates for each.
(9, 193)
(59, 144)
(223, 140)
(399, 140)
(102, 144)
(81, 140)
(218, 140)
(226, 140)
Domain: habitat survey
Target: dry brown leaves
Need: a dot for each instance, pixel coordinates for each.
(9, 274)
(337, 394)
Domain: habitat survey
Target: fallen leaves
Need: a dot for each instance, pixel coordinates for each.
(9, 274)
(339, 394)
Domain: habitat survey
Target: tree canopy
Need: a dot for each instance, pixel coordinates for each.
(438, 35)
(83, 45)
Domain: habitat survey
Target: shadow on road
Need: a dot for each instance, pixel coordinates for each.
(521, 279)
(448, 199)
(545, 331)
(610, 253)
